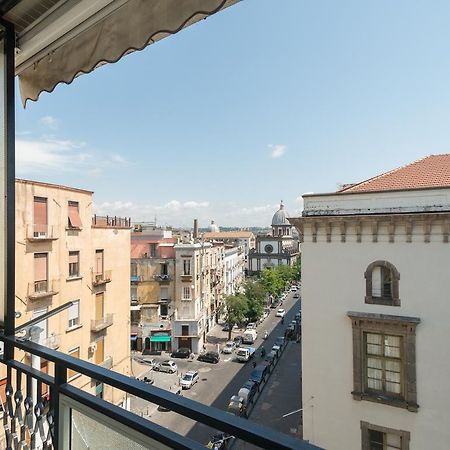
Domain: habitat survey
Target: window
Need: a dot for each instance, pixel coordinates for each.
(152, 250)
(74, 314)
(40, 272)
(74, 264)
(164, 269)
(75, 352)
(99, 306)
(184, 330)
(384, 359)
(134, 270)
(186, 293)
(374, 437)
(98, 262)
(186, 266)
(74, 220)
(99, 353)
(164, 293)
(382, 284)
(163, 310)
(39, 217)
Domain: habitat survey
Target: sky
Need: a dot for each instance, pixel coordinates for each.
(263, 102)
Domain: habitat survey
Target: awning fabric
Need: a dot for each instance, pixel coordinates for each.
(160, 338)
(96, 32)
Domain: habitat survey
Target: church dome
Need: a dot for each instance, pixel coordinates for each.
(213, 227)
(280, 217)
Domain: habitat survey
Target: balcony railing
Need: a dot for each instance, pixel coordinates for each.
(185, 277)
(101, 278)
(36, 232)
(73, 413)
(101, 324)
(43, 288)
(162, 277)
(111, 221)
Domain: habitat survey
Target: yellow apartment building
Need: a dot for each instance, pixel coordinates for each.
(64, 253)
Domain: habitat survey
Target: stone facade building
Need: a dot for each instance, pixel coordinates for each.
(278, 248)
(375, 282)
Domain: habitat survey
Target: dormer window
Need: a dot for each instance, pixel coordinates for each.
(382, 284)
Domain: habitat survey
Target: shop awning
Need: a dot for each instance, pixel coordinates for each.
(160, 339)
(61, 39)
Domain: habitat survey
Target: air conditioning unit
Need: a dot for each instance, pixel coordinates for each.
(93, 347)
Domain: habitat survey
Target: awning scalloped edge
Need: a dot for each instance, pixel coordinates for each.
(35, 80)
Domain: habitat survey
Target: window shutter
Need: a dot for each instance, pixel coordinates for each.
(73, 257)
(164, 292)
(40, 211)
(74, 310)
(74, 215)
(99, 262)
(40, 266)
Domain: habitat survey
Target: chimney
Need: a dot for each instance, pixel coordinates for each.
(195, 228)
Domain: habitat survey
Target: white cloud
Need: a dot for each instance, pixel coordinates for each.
(49, 154)
(277, 150)
(117, 158)
(50, 122)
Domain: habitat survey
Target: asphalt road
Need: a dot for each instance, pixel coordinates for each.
(218, 382)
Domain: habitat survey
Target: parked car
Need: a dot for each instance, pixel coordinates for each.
(274, 304)
(248, 392)
(211, 357)
(294, 289)
(182, 352)
(298, 317)
(189, 379)
(271, 357)
(229, 347)
(238, 341)
(143, 360)
(249, 336)
(280, 313)
(296, 295)
(280, 341)
(236, 406)
(166, 366)
(277, 350)
(226, 327)
(251, 326)
(259, 373)
(220, 441)
(147, 380)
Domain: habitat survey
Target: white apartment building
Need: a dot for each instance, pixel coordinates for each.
(193, 294)
(233, 269)
(375, 308)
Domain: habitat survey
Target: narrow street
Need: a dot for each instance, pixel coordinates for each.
(218, 382)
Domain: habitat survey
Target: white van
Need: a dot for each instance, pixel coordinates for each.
(249, 336)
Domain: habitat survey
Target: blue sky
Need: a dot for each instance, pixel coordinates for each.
(264, 101)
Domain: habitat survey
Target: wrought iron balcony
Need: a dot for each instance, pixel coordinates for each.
(39, 233)
(101, 324)
(111, 222)
(162, 278)
(33, 421)
(43, 288)
(186, 277)
(101, 278)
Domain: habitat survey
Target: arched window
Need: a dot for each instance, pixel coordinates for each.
(382, 280)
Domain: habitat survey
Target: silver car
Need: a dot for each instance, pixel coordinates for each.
(166, 366)
(189, 379)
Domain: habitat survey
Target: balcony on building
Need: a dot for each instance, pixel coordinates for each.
(162, 278)
(107, 363)
(40, 233)
(111, 222)
(42, 288)
(186, 277)
(101, 277)
(136, 278)
(102, 323)
(53, 341)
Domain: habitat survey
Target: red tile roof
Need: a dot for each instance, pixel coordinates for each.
(430, 172)
(228, 234)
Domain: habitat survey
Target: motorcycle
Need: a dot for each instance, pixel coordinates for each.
(263, 352)
(266, 335)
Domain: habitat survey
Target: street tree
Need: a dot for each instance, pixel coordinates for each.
(272, 281)
(256, 299)
(235, 310)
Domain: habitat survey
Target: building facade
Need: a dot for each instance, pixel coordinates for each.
(375, 260)
(64, 253)
(152, 290)
(233, 270)
(278, 248)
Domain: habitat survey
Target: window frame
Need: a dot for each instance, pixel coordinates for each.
(392, 325)
(72, 374)
(77, 252)
(394, 298)
(77, 325)
(366, 427)
(187, 289)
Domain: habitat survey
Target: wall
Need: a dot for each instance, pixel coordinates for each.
(332, 284)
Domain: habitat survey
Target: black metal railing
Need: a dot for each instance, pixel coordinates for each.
(27, 420)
